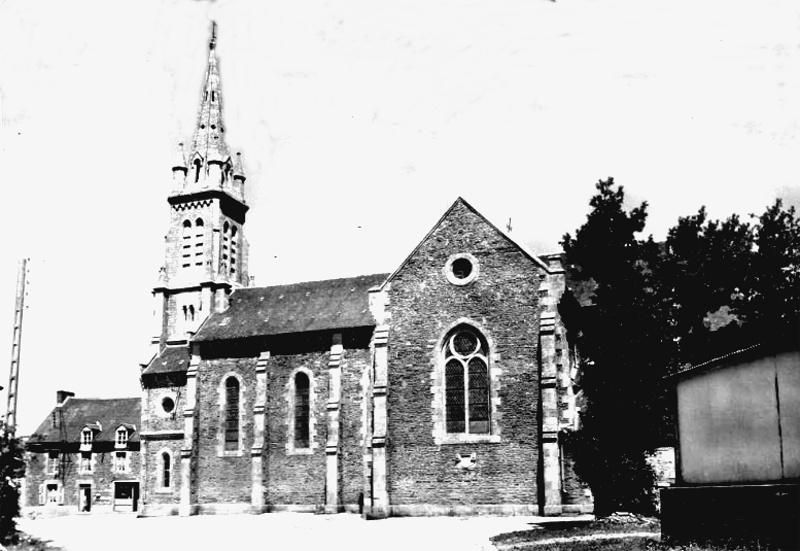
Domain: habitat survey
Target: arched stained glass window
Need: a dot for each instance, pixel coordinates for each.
(466, 380)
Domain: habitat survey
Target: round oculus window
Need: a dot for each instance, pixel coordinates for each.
(167, 404)
(461, 269)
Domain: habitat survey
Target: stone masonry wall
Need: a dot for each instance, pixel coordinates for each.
(503, 302)
(157, 498)
(351, 459)
(154, 418)
(295, 479)
(223, 477)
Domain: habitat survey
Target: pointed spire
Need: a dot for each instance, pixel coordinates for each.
(209, 140)
(238, 166)
(179, 158)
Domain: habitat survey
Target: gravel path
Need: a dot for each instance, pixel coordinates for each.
(295, 531)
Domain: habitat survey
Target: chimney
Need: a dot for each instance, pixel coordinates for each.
(62, 395)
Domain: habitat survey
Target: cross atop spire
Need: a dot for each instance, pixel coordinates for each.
(209, 140)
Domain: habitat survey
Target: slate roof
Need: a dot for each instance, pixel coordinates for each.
(170, 360)
(294, 308)
(76, 413)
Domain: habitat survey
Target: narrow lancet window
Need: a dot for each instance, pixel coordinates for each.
(302, 410)
(231, 414)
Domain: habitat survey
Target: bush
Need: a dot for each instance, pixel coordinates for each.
(12, 469)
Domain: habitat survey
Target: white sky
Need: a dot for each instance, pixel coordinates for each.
(360, 122)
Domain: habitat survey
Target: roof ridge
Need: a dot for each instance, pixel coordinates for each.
(90, 398)
(384, 274)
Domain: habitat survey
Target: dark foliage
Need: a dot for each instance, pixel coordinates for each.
(713, 287)
(623, 342)
(12, 469)
(730, 284)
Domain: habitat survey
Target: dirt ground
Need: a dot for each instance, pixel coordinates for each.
(294, 531)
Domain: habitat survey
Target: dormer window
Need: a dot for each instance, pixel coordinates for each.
(87, 435)
(86, 438)
(121, 440)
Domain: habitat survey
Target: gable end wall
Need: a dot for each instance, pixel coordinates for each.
(424, 476)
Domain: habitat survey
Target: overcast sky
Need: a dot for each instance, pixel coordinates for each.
(360, 122)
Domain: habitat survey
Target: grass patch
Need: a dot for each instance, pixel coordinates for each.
(599, 536)
(29, 543)
(636, 544)
(570, 530)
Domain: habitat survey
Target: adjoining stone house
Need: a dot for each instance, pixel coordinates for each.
(84, 457)
(440, 388)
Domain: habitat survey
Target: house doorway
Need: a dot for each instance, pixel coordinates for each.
(126, 496)
(85, 498)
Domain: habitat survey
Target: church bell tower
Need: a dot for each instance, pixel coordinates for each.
(206, 250)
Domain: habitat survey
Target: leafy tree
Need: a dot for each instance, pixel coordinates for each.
(730, 284)
(773, 283)
(623, 341)
(712, 287)
(703, 278)
(12, 469)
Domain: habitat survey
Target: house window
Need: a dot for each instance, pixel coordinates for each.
(122, 438)
(52, 463)
(50, 494)
(86, 438)
(231, 414)
(166, 470)
(302, 409)
(121, 462)
(86, 462)
(466, 381)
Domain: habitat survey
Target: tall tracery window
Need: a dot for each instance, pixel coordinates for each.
(302, 410)
(231, 414)
(466, 377)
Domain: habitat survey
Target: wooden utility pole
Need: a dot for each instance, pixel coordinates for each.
(16, 345)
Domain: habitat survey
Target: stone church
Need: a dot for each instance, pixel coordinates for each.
(439, 388)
